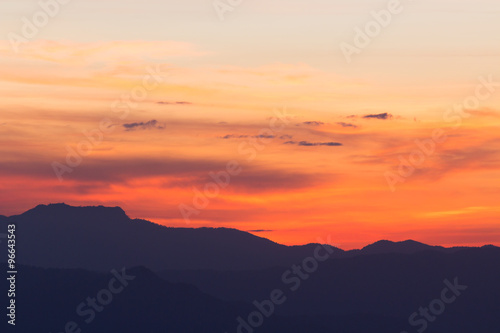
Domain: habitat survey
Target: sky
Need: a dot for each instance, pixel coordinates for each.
(290, 119)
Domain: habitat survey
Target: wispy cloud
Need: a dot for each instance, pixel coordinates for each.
(382, 116)
(313, 123)
(467, 210)
(174, 103)
(234, 136)
(347, 125)
(143, 125)
(312, 144)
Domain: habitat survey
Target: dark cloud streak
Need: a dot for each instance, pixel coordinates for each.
(313, 144)
(381, 116)
(347, 125)
(174, 103)
(261, 136)
(313, 123)
(143, 125)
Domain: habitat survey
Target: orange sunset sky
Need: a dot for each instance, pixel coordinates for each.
(169, 93)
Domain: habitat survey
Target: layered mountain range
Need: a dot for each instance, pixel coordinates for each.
(226, 280)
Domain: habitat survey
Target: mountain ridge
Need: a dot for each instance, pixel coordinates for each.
(377, 247)
(192, 280)
(99, 238)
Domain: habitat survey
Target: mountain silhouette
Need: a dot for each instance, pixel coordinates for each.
(100, 238)
(146, 304)
(408, 246)
(50, 298)
(202, 280)
(391, 285)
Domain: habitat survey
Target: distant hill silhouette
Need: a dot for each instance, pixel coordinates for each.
(49, 298)
(407, 247)
(349, 295)
(100, 238)
(386, 285)
(205, 278)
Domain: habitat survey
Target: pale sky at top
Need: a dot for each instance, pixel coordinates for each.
(261, 32)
